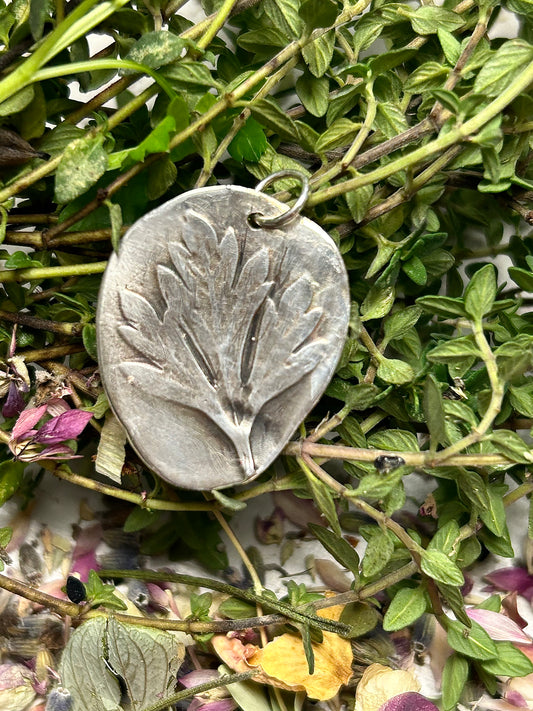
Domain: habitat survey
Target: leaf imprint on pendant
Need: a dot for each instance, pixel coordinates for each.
(217, 337)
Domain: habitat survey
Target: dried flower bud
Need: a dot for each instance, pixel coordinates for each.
(14, 150)
(59, 700)
(16, 690)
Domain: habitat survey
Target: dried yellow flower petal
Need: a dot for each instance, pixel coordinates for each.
(379, 684)
(283, 663)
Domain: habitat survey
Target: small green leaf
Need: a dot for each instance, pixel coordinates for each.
(250, 142)
(394, 440)
(450, 46)
(398, 323)
(438, 566)
(83, 163)
(445, 539)
(522, 277)
(395, 371)
(407, 606)
(509, 661)
(358, 201)
(308, 647)
(427, 77)
(378, 553)
(140, 518)
(6, 534)
(11, 474)
(17, 102)
(339, 548)
(318, 54)
(227, 502)
(473, 642)
(426, 20)
(340, 133)
(99, 593)
(21, 260)
(390, 119)
(494, 516)
(454, 678)
(442, 305)
(434, 412)
(89, 340)
(499, 71)
(313, 92)
(521, 398)
(458, 348)
(318, 13)
(324, 501)
(156, 49)
(378, 302)
(38, 12)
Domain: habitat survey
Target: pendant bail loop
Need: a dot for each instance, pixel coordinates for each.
(293, 212)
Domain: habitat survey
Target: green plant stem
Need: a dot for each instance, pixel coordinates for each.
(306, 463)
(406, 192)
(424, 460)
(456, 135)
(202, 688)
(63, 472)
(493, 409)
(77, 24)
(217, 23)
(329, 424)
(28, 179)
(283, 608)
(79, 613)
(101, 98)
(60, 70)
(350, 155)
(41, 324)
(39, 354)
(257, 585)
(41, 240)
(63, 607)
(370, 590)
(23, 275)
(270, 83)
(522, 490)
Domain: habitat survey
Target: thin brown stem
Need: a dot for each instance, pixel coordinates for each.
(61, 471)
(41, 324)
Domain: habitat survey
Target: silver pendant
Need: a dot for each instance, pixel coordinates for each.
(219, 325)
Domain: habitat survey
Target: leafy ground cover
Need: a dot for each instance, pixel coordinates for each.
(413, 124)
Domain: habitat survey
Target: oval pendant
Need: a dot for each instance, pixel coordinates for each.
(217, 336)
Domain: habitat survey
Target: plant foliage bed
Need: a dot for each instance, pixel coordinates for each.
(414, 126)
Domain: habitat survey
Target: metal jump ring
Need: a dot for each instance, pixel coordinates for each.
(291, 213)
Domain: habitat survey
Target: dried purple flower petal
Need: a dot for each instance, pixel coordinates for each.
(409, 701)
(68, 425)
(14, 403)
(26, 422)
(512, 580)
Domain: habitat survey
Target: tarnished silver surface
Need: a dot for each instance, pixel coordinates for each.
(216, 337)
